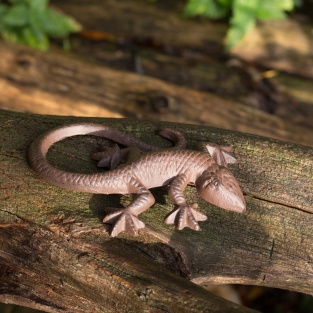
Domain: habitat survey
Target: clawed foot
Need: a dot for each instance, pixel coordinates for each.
(109, 157)
(122, 220)
(185, 215)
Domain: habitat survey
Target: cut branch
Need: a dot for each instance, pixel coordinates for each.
(56, 255)
(52, 82)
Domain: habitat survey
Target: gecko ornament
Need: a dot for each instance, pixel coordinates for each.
(146, 166)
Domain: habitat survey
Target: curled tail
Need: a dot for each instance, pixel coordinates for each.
(94, 183)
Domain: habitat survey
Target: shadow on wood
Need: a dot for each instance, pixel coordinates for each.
(55, 254)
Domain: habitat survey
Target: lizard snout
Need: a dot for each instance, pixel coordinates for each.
(218, 186)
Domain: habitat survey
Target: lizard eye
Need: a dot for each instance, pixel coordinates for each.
(215, 182)
(218, 186)
(212, 180)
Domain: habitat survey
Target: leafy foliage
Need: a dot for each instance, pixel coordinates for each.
(244, 13)
(32, 22)
(213, 9)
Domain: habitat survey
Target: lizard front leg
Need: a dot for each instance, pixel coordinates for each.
(184, 214)
(125, 219)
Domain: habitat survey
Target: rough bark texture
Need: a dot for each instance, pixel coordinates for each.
(53, 82)
(55, 253)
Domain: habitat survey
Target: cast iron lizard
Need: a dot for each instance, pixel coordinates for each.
(175, 166)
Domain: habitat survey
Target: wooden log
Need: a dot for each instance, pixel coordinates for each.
(55, 253)
(176, 50)
(56, 84)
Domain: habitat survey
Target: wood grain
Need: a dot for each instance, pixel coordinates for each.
(269, 245)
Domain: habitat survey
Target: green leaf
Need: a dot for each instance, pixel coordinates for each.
(59, 25)
(225, 3)
(38, 5)
(36, 24)
(3, 10)
(297, 3)
(66, 44)
(25, 36)
(30, 22)
(31, 39)
(274, 9)
(244, 12)
(270, 12)
(18, 1)
(17, 15)
(286, 5)
(209, 8)
(236, 32)
(242, 21)
(13, 34)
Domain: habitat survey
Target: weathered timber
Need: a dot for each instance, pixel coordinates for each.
(291, 96)
(176, 50)
(55, 253)
(54, 83)
(43, 270)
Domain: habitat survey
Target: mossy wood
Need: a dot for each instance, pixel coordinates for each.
(55, 254)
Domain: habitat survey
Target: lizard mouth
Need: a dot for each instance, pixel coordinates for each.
(232, 200)
(218, 186)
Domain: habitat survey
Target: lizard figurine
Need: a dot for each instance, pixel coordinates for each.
(175, 166)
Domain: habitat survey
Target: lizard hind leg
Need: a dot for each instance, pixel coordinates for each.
(126, 219)
(122, 220)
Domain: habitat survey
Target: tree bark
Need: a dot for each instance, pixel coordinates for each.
(38, 82)
(55, 254)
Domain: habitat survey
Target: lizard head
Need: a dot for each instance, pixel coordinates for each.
(218, 186)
